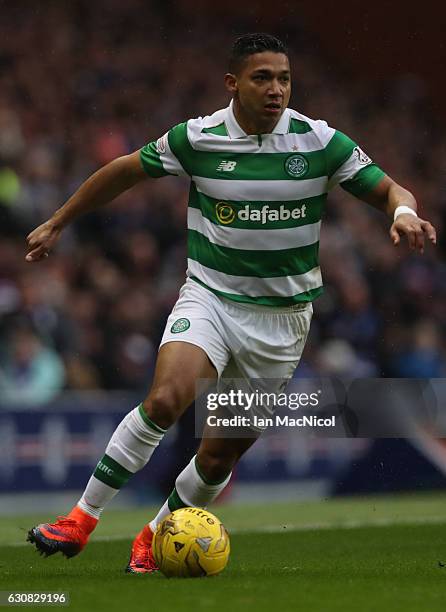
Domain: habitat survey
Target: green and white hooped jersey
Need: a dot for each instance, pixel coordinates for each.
(255, 202)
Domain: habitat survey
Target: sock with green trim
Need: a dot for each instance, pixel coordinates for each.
(191, 489)
(128, 451)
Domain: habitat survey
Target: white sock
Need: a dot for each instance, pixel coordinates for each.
(128, 451)
(191, 489)
(95, 511)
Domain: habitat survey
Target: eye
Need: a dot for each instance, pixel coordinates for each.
(259, 77)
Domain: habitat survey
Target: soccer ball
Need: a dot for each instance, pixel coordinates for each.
(191, 542)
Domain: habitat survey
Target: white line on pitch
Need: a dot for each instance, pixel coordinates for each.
(287, 527)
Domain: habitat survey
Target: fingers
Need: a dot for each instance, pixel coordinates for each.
(429, 229)
(418, 235)
(37, 254)
(423, 229)
(415, 231)
(41, 241)
(37, 250)
(39, 244)
(415, 238)
(394, 235)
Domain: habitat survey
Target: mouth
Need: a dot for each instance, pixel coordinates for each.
(273, 107)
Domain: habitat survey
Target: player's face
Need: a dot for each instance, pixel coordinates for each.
(262, 87)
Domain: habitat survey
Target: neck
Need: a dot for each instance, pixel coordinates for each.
(249, 124)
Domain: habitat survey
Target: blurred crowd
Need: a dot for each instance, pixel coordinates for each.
(84, 82)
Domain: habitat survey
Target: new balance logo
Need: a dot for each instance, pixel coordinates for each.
(226, 166)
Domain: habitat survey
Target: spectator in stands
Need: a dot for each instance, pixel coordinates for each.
(31, 374)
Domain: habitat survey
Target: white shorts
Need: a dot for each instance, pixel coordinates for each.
(241, 340)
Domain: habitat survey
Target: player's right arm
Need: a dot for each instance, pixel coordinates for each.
(102, 187)
(163, 157)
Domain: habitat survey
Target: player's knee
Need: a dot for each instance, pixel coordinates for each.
(215, 467)
(162, 406)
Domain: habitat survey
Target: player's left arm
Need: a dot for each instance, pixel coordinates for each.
(351, 168)
(401, 206)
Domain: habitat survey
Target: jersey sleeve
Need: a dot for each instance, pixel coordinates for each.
(349, 167)
(160, 157)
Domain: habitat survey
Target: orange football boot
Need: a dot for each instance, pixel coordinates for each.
(141, 558)
(68, 535)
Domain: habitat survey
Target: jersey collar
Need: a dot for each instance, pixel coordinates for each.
(235, 131)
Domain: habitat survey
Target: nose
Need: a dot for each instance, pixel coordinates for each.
(275, 89)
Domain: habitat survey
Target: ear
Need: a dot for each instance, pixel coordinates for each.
(231, 83)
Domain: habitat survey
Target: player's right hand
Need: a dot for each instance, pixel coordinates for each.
(41, 241)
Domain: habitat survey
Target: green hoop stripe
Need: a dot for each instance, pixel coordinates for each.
(149, 421)
(364, 181)
(299, 127)
(337, 151)
(111, 473)
(238, 262)
(175, 502)
(315, 207)
(218, 130)
(249, 166)
(151, 162)
(299, 298)
(206, 480)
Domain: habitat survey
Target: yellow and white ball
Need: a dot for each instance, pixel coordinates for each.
(191, 542)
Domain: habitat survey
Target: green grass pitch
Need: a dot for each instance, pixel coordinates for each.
(365, 554)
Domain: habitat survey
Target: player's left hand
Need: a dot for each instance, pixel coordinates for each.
(415, 230)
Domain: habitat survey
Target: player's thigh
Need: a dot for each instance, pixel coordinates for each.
(178, 368)
(273, 345)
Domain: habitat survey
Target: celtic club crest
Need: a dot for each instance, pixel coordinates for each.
(180, 325)
(296, 166)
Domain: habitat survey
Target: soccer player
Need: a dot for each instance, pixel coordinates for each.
(260, 174)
